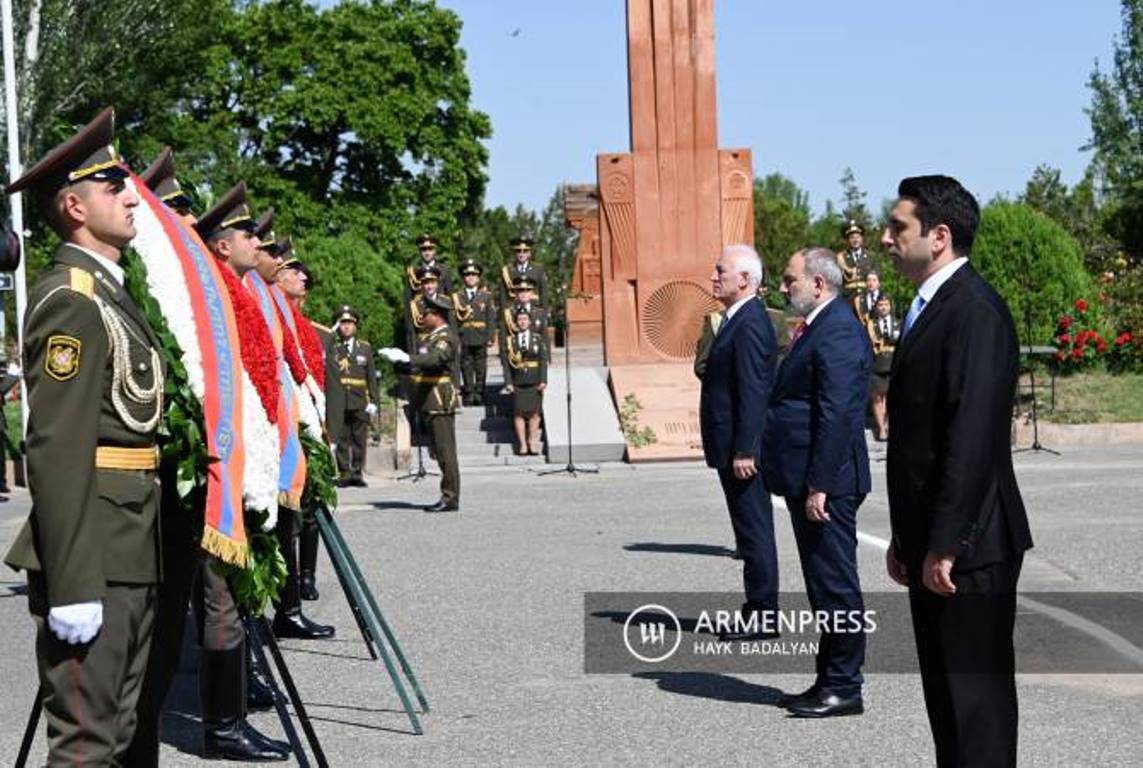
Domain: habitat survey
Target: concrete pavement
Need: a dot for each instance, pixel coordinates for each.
(489, 607)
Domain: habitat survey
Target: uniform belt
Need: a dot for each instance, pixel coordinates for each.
(353, 382)
(114, 457)
(419, 379)
(473, 324)
(528, 364)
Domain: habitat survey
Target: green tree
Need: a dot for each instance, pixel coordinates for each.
(555, 251)
(781, 224)
(1116, 115)
(1079, 212)
(853, 200)
(1031, 260)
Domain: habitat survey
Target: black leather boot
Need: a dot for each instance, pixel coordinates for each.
(260, 694)
(222, 691)
(307, 557)
(288, 619)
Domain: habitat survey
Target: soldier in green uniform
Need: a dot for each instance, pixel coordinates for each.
(431, 366)
(95, 382)
(226, 676)
(357, 376)
(525, 292)
(522, 267)
(476, 316)
(855, 261)
(427, 246)
(884, 332)
(528, 374)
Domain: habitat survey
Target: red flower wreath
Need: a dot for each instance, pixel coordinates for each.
(311, 346)
(257, 347)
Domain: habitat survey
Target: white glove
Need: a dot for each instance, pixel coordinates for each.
(394, 355)
(13, 369)
(371, 409)
(77, 623)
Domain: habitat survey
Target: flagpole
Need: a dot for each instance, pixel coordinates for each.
(15, 203)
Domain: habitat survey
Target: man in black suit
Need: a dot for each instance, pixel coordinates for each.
(959, 525)
(735, 386)
(815, 456)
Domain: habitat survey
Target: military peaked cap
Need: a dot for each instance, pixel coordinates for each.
(523, 284)
(426, 239)
(521, 243)
(230, 212)
(471, 267)
(264, 229)
(86, 156)
(346, 312)
(160, 179)
(437, 303)
(850, 227)
(428, 272)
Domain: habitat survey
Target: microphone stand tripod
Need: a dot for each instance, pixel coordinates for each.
(1035, 447)
(571, 468)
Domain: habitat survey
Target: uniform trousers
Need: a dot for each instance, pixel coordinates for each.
(90, 691)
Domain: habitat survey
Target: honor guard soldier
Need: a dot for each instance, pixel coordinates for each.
(428, 285)
(427, 246)
(95, 390)
(476, 316)
(884, 331)
(228, 681)
(528, 373)
(525, 292)
(865, 302)
(522, 267)
(354, 360)
(431, 366)
(855, 261)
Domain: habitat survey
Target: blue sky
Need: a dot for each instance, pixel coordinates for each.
(984, 91)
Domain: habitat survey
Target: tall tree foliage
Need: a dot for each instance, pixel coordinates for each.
(781, 223)
(1116, 115)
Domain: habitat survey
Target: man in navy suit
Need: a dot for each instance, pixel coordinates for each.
(815, 456)
(960, 528)
(735, 387)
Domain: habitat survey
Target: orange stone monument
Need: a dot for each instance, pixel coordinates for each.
(667, 208)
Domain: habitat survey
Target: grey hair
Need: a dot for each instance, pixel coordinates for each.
(747, 260)
(823, 261)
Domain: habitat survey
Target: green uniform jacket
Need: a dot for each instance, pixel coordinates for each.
(476, 318)
(88, 526)
(434, 388)
(527, 365)
(355, 374)
(334, 391)
(510, 272)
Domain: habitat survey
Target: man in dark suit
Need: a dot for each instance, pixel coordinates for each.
(959, 525)
(735, 386)
(815, 456)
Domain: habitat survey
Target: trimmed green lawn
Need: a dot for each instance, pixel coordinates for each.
(1086, 398)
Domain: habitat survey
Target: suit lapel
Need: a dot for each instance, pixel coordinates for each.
(931, 311)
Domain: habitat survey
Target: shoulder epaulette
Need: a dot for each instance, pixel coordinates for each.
(81, 281)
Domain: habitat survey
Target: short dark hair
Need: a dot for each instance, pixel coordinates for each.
(942, 200)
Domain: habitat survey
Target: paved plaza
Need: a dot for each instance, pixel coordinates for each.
(489, 607)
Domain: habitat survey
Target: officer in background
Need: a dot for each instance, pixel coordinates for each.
(354, 360)
(884, 332)
(855, 261)
(431, 366)
(522, 268)
(525, 292)
(865, 302)
(427, 247)
(476, 316)
(527, 373)
(95, 391)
